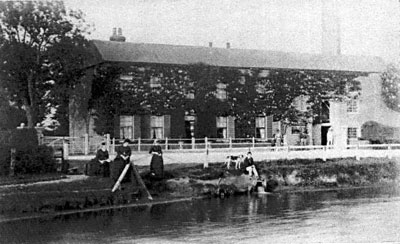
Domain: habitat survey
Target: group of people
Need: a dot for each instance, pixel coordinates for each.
(103, 166)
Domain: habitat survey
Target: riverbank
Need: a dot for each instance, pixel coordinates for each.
(184, 181)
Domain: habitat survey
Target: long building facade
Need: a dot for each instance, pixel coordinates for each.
(346, 118)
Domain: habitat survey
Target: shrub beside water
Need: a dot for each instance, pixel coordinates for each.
(31, 158)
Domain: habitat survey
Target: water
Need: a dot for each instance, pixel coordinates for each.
(357, 215)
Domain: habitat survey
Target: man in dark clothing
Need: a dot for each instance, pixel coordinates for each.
(249, 165)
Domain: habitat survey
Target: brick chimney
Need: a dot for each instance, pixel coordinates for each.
(117, 37)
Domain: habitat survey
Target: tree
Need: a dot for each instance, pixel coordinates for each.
(42, 54)
(391, 87)
(11, 116)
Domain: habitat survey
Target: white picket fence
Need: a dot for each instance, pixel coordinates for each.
(214, 155)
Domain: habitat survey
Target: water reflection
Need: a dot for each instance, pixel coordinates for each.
(303, 217)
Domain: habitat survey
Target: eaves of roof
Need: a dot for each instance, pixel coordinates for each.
(110, 51)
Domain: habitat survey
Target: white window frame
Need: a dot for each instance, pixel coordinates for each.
(352, 106)
(222, 123)
(157, 124)
(261, 124)
(351, 131)
(221, 93)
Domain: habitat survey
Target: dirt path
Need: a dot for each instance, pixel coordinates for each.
(70, 178)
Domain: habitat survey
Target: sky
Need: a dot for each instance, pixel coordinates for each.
(368, 27)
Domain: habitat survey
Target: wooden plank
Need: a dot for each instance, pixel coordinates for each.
(121, 177)
(140, 181)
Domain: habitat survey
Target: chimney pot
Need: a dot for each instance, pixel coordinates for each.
(210, 44)
(228, 45)
(117, 37)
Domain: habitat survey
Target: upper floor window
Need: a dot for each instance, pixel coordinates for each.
(221, 91)
(301, 103)
(155, 82)
(352, 106)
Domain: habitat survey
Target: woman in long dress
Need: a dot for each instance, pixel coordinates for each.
(157, 162)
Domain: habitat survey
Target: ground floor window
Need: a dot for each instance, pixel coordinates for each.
(157, 127)
(260, 127)
(222, 127)
(351, 132)
(190, 121)
(126, 127)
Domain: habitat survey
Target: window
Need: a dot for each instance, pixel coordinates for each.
(126, 132)
(301, 103)
(260, 127)
(298, 129)
(221, 91)
(351, 132)
(126, 127)
(157, 127)
(155, 82)
(352, 106)
(222, 127)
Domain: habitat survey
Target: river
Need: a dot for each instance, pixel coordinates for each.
(353, 215)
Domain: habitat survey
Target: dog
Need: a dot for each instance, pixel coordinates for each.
(234, 159)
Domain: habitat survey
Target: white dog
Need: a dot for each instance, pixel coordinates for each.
(234, 159)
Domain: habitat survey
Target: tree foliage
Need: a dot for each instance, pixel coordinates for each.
(42, 53)
(391, 87)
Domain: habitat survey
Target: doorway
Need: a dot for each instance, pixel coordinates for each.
(324, 132)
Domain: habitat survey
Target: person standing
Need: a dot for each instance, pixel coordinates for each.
(329, 137)
(278, 138)
(157, 162)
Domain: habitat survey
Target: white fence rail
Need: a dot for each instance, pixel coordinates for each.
(216, 150)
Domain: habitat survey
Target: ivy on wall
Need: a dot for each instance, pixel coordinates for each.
(391, 87)
(160, 89)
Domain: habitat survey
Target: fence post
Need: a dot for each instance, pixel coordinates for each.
(253, 141)
(230, 142)
(193, 143)
(166, 143)
(86, 146)
(12, 162)
(108, 142)
(205, 165)
(113, 146)
(358, 152)
(206, 142)
(287, 151)
(389, 154)
(65, 150)
(324, 154)
(139, 143)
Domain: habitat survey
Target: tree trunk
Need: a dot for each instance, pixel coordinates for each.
(29, 116)
(29, 105)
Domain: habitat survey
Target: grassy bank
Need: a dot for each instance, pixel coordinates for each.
(189, 180)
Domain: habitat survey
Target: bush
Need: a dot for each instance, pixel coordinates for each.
(30, 157)
(35, 160)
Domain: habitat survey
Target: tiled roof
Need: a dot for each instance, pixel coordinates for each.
(111, 51)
